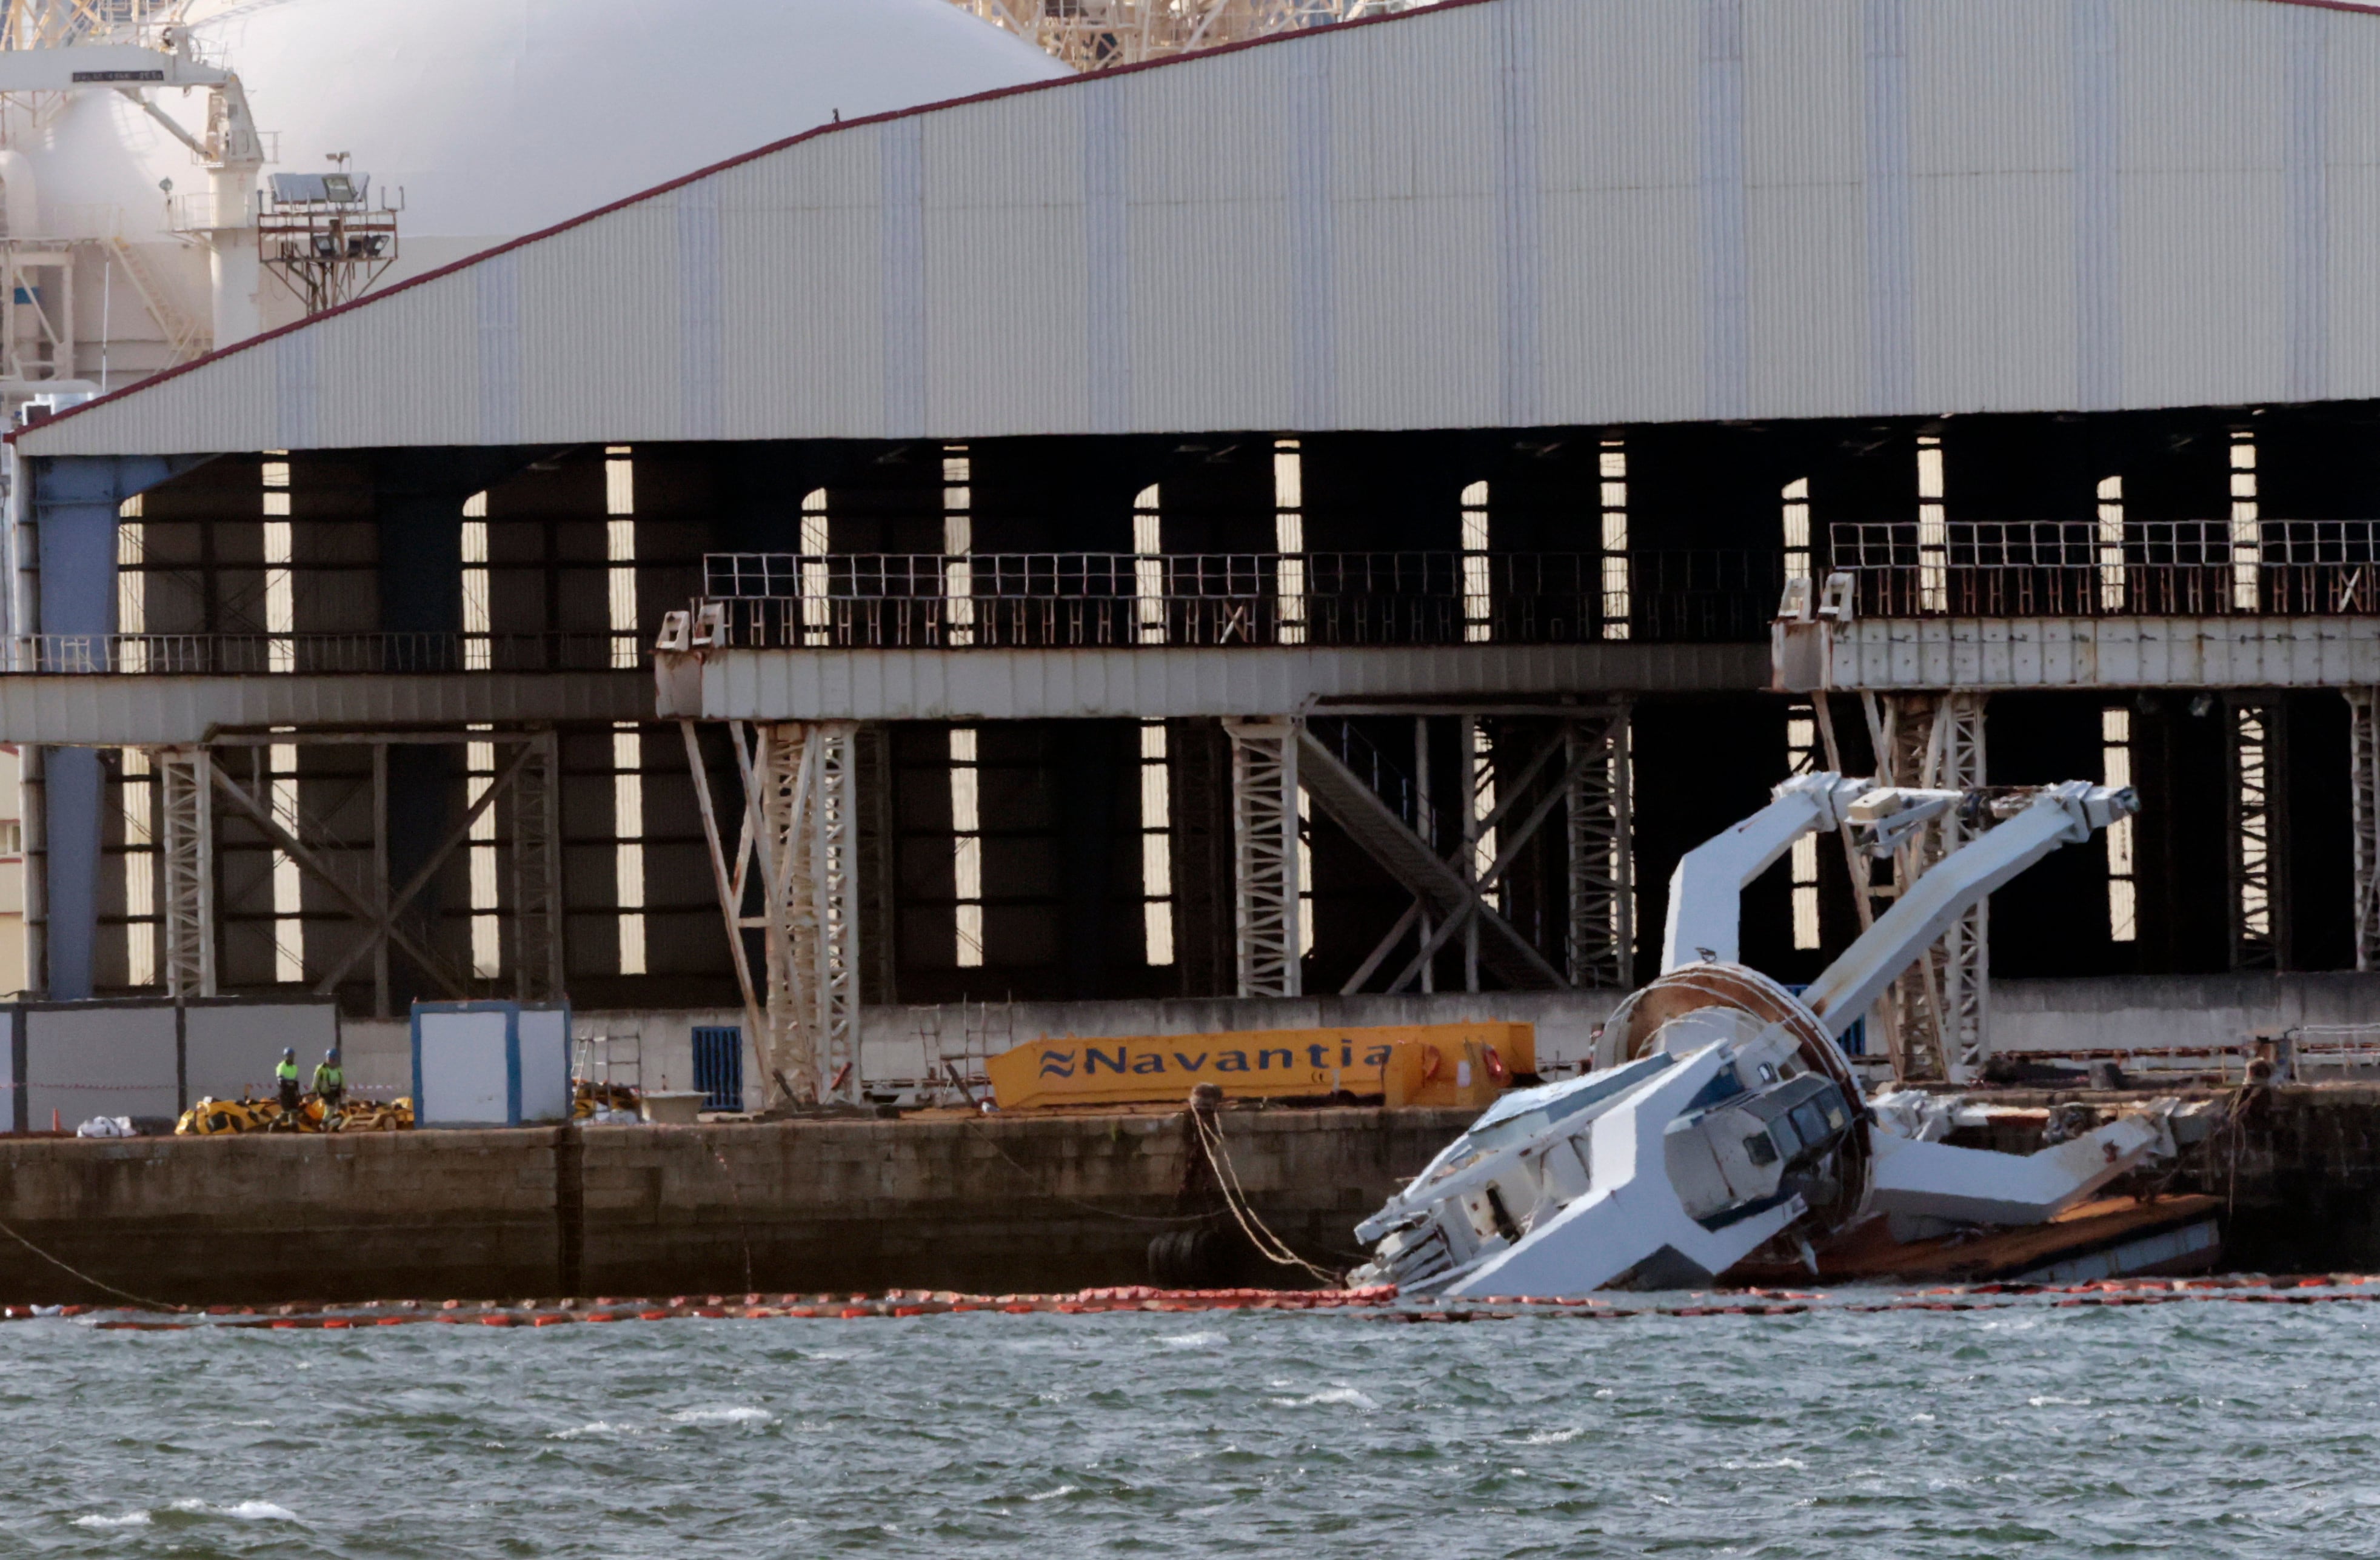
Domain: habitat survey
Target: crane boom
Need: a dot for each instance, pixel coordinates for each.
(2063, 814)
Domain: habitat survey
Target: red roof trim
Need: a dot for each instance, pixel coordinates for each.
(737, 161)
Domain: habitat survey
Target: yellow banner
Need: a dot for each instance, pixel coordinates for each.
(1259, 1064)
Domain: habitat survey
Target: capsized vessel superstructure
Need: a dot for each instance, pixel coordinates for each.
(1721, 1118)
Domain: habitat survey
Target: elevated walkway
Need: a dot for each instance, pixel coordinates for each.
(122, 710)
(1158, 682)
(2005, 655)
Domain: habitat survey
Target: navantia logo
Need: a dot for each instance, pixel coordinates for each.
(1057, 1063)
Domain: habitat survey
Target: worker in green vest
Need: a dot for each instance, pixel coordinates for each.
(285, 1077)
(330, 1082)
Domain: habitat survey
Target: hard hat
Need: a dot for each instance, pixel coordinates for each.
(332, 1055)
(289, 1053)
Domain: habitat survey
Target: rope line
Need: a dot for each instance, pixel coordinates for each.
(1271, 1247)
(94, 1282)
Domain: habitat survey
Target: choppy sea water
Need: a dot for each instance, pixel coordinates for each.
(2191, 1430)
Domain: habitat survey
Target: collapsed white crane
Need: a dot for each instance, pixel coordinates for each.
(1721, 1117)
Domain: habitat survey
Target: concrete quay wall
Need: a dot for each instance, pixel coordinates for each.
(989, 1205)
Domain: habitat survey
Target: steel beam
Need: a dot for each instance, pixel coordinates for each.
(1149, 683)
(115, 710)
(1985, 655)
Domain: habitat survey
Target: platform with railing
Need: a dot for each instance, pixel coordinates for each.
(2006, 604)
(1013, 601)
(316, 655)
(2109, 569)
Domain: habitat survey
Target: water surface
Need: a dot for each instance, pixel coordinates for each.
(2199, 1429)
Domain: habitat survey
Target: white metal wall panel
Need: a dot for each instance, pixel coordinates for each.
(1499, 213)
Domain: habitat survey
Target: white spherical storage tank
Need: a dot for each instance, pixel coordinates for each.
(493, 117)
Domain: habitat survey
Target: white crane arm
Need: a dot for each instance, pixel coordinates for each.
(2064, 814)
(1707, 890)
(87, 66)
(1978, 1186)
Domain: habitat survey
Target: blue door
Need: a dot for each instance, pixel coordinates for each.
(719, 1066)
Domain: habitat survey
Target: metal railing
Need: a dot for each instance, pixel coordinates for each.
(317, 655)
(1070, 600)
(2087, 568)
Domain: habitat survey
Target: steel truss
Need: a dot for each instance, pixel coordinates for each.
(1940, 1008)
(800, 842)
(2363, 790)
(1265, 885)
(2253, 848)
(1601, 946)
(193, 779)
(1586, 761)
(186, 786)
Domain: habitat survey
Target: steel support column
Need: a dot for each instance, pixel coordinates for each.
(803, 777)
(1941, 1006)
(2253, 849)
(1601, 858)
(1264, 856)
(537, 872)
(185, 779)
(2363, 794)
(1965, 949)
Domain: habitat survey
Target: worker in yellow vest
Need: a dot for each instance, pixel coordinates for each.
(284, 1077)
(330, 1081)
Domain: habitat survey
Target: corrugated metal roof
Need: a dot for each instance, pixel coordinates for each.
(1496, 213)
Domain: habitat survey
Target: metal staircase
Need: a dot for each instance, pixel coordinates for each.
(185, 338)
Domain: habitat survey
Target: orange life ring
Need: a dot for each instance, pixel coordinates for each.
(1430, 1062)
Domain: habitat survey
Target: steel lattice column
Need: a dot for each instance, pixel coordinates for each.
(1941, 1004)
(2363, 793)
(1965, 949)
(1601, 861)
(810, 839)
(1264, 855)
(536, 874)
(188, 808)
(2254, 851)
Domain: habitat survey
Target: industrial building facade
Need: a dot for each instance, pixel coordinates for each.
(1303, 518)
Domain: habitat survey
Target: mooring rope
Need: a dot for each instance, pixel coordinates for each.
(1271, 1247)
(94, 1282)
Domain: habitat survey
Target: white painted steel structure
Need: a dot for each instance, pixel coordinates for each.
(1493, 213)
(71, 710)
(1982, 654)
(1154, 684)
